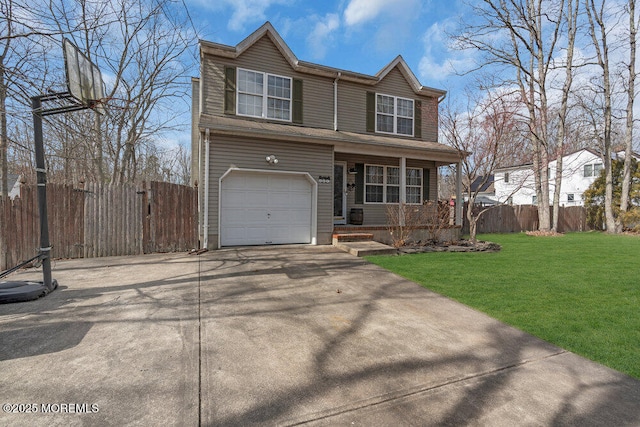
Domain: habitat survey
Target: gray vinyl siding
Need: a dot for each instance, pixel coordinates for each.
(352, 99)
(263, 56)
(318, 92)
(430, 119)
(395, 84)
(352, 104)
(242, 153)
(376, 214)
(211, 86)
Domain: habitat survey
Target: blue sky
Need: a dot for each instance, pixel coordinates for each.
(354, 35)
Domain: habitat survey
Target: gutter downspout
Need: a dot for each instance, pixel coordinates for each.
(335, 101)
(459, 201)
(199, 187)
(205, 229)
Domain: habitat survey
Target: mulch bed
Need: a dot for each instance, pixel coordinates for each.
(458, 246)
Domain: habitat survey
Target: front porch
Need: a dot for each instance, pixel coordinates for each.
(382, 234)
(368, 187)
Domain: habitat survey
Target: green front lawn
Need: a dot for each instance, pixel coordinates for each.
(580, 291)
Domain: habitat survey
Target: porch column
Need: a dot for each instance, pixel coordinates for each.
(403, 188)
(459, 201)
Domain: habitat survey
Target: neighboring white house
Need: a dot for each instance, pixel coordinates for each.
(515, 185)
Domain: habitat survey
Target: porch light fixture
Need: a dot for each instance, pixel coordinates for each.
(351, 186)
(272, 160)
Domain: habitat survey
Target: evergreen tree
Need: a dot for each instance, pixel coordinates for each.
(594, 197)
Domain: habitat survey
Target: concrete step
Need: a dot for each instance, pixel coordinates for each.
(364, 248)
(352, 237)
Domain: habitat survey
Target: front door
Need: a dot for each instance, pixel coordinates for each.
(339, 193)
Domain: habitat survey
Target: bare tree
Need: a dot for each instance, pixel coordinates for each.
(142, 44)
(24, 40)
(571, 16)
(483, 133)
(631, 91)
(6, 9)
(148, 73)
(598, 31)
(521, 36)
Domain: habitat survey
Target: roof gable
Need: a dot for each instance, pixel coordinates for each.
(267, 30)
(408, 75)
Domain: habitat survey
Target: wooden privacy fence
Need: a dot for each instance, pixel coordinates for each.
(514, 219)
(100, 220)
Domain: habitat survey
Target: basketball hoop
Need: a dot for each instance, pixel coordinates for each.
(85, 89)
(114, 103)
(84, 79)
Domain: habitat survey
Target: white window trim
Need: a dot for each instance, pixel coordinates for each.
(265, 95)
(384, 185)
(395, 115)
(421, 186)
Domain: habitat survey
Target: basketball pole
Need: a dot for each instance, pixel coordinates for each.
(84, 90)
(45, 246)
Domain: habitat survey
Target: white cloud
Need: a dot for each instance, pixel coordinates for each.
(361, 11)
(440, 60)
(390, 22)
(245, 13)
(322, 34)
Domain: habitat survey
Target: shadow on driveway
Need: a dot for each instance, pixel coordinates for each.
(302, 335)
(284, 335)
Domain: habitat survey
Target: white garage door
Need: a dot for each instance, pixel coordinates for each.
(263, 209)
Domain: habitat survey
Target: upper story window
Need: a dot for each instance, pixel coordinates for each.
(596, 169)
(592, 170)
(264, 95)
(394, 115)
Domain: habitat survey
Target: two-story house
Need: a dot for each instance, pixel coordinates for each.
(515, 185)
(283, 149)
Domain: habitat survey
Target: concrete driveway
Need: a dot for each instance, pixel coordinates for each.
(281, 336)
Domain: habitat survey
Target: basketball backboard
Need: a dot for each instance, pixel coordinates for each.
(84, 79)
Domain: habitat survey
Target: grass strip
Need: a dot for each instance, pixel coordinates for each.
(579, 291)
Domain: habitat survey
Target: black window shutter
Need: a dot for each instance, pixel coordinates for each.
(371, 112)
(296, 114)
(359, 183)
(417, 119)
(426, 180)
(229, 90)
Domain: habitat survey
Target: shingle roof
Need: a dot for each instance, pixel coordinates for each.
(268, 30)
(342, 141)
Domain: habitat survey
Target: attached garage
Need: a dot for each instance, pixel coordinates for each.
(265, 208)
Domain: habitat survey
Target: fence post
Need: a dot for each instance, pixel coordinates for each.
(3, 226)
